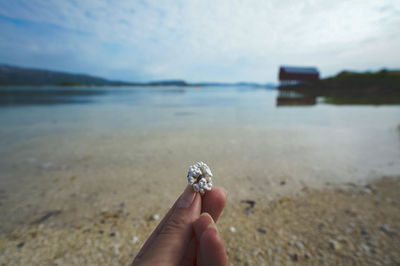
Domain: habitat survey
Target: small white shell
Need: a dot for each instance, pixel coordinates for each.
(199, 177)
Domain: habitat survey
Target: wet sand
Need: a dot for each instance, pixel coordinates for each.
(82, 173)
(91, 201)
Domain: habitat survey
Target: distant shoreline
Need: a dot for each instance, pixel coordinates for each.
(19, 76)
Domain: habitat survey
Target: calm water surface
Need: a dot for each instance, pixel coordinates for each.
(84, 149)
(240, 131)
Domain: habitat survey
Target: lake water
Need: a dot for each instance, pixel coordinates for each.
(122, 139)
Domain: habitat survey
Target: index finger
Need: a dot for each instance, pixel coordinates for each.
(213, 202)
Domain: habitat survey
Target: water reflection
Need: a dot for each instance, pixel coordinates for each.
(292, 98)
(17, 96)
(306, 94)
(10, 97)
(190, 96)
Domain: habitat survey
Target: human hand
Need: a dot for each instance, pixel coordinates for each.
(184, 237)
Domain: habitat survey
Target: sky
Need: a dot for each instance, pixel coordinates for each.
(199, 40)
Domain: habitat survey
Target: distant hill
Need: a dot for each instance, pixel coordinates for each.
(167, 83)
(14, 75)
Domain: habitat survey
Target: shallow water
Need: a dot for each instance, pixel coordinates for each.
(122, 141)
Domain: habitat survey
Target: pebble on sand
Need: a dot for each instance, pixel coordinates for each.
(262, 230)
(333, 244)
(155, 217)
(365, 247)
(232, 229)
(299, 244)
(293, 255)
(385, 228)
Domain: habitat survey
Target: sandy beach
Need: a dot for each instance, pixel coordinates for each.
(84, 184)
(350, 224)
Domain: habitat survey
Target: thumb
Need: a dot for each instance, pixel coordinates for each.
(169, 244)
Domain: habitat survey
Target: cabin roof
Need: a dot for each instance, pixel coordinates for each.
(302, 70)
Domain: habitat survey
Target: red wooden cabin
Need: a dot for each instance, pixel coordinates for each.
(298, 74)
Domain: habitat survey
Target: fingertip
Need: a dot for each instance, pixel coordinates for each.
(220, 190)
(210, 233)
(206, 216)
(214, 202)
(202, 223)
(223, 190)
(212, 246)
(187, 198)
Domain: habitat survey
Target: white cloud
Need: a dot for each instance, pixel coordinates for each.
(216, 40)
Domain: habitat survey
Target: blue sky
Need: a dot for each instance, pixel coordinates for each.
(199, 40)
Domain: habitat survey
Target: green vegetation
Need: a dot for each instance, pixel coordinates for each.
(382, 75)
(381, 87)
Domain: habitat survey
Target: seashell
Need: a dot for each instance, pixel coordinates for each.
(199, 177)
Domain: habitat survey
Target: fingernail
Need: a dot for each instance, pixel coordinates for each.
(207, 214)
(187, 197)
(213, 225)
